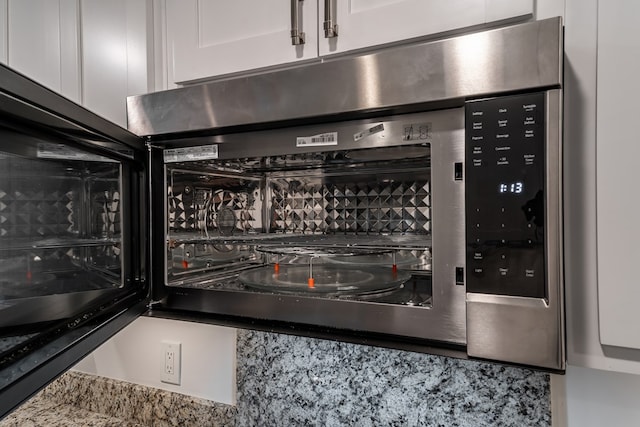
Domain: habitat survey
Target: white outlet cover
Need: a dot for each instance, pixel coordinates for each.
(171, 359)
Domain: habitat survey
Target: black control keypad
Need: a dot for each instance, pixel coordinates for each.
(505, 204)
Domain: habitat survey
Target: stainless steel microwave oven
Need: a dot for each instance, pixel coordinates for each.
(409, 197)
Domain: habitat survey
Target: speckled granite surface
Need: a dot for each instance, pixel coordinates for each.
(97, 401)
(293, 381)
(138, 404)
(44, 412)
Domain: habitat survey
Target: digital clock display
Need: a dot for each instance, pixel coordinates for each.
(511, 187)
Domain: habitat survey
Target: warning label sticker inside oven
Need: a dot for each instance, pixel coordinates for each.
(416, 132)
(191, 154)
(59, 151)
(329, 138)
(371, 131)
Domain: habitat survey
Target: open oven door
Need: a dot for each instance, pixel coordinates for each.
(72, 234)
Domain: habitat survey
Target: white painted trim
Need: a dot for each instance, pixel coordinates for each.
(70, 50)
(150, 45)
(558, 388)
(136, 15)
(4, 31)
(161, 54)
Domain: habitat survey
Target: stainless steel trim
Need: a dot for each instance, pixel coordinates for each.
(330, 29)
(283, 141)
(524, 56)
(297, 35)
(398, 320)
(528, 330)
(448, 233)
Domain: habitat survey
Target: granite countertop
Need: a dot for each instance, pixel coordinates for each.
(44, 412)
(77, 399)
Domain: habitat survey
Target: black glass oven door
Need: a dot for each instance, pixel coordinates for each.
(71, 226)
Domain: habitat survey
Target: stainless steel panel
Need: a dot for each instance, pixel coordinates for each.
(527, 330)
(443, 125)
(518, 57)
(448, 233)
(398, 320)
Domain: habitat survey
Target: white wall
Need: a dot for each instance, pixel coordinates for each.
(596, 398)
(135, 355)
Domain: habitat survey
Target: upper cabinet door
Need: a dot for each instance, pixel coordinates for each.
(617, 153)
(364, 23)
(208, 38)
(114, 55)
(42, 42)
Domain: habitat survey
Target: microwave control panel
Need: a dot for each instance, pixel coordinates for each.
(505, 195)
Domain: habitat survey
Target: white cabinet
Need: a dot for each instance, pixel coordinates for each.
(115, 62)
(618, 153)
(364, 23)
(42, 42)
(91, 51)
(206, 38)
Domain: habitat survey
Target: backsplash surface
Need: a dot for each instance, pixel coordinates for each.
(289, 380)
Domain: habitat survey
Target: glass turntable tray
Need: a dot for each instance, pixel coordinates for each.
(208, 258)
(399, 258)
(327, 279)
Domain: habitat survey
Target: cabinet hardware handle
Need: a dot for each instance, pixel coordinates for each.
(297, 36)
(330, 29)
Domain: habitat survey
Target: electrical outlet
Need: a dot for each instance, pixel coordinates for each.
(171, 359)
